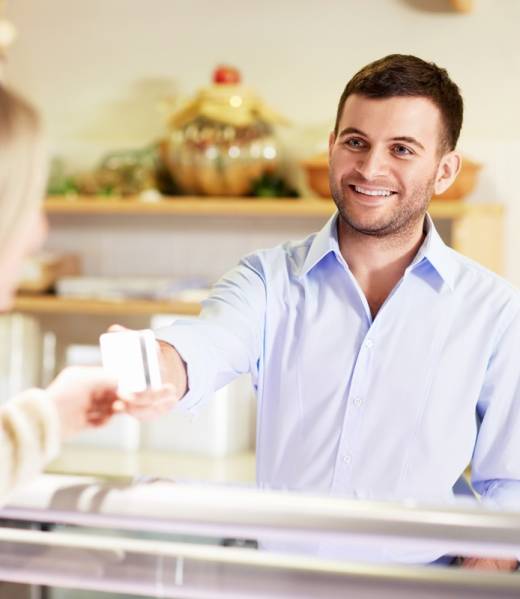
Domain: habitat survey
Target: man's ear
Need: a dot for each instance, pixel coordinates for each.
(449, 167)
(332, 139)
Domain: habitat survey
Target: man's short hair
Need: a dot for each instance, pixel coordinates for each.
(406, 75)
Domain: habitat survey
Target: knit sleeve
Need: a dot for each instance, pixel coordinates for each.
(29, 438)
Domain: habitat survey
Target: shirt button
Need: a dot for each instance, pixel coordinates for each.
(357, 401)
(369, 343)
(347, 459)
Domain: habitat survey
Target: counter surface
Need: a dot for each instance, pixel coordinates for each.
(116, 463)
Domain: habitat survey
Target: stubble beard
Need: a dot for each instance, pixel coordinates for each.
(396, 226)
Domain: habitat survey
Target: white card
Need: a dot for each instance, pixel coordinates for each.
(131, 357)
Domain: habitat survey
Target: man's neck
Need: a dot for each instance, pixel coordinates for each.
(378, 263)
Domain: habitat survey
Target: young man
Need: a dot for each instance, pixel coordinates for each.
(375, 349)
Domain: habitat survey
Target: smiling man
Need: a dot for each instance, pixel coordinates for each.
(384, 362)
(392, 148)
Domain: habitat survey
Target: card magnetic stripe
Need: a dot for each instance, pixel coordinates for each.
(146, 366)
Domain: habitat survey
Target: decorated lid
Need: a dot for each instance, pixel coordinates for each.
(226, 101)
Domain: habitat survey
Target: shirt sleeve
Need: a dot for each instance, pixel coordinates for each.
(226, 339)
(496, 459)
(29, 438)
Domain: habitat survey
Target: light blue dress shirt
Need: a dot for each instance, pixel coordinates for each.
(387, 408)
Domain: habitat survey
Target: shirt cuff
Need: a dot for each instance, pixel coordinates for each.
(503, 495)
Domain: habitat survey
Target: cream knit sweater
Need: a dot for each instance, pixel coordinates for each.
(29, 438)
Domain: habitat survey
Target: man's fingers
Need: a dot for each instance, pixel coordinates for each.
(146, 408)
(165, 393)
(145, 404)
(476, 563)
(117, 328)
(146, 413)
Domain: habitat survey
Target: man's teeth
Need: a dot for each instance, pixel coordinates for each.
(373, 192)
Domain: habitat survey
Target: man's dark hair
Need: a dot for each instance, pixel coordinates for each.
(406, 75)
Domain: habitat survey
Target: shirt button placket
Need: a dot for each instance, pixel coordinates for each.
(357, 402)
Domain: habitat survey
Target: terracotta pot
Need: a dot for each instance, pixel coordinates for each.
(465, 182)
(317, 170)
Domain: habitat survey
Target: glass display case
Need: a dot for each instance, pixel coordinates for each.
(77, 537)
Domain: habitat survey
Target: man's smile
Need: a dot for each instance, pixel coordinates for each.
(372, 191)
(372, 197)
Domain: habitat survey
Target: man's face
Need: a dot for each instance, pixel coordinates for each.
(384, 163)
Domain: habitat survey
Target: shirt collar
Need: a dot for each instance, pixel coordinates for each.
(437, 253)
(433, 250)
(324, 242)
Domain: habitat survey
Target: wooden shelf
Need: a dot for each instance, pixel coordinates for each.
(474, 229)
(50, 304)
(191, 206)
(196, 206)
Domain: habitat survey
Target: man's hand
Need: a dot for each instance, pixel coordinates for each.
(84, 396)
(148, 404)
(482, 563)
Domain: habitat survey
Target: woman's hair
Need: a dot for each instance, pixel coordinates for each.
(22, 163)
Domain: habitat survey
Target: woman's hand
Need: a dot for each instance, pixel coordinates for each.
(85, 396)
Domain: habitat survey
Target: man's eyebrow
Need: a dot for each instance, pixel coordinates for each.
(408, 140)
(349, 130)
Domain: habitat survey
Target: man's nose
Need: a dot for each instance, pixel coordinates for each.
(372, 164)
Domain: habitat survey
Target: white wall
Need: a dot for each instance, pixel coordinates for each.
(99, 69)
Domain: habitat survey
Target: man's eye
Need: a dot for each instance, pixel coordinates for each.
(355, 143)
(402, 150)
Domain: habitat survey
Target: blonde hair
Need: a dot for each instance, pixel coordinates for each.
(22, 163)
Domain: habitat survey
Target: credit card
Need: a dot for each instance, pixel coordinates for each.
(131, 357)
